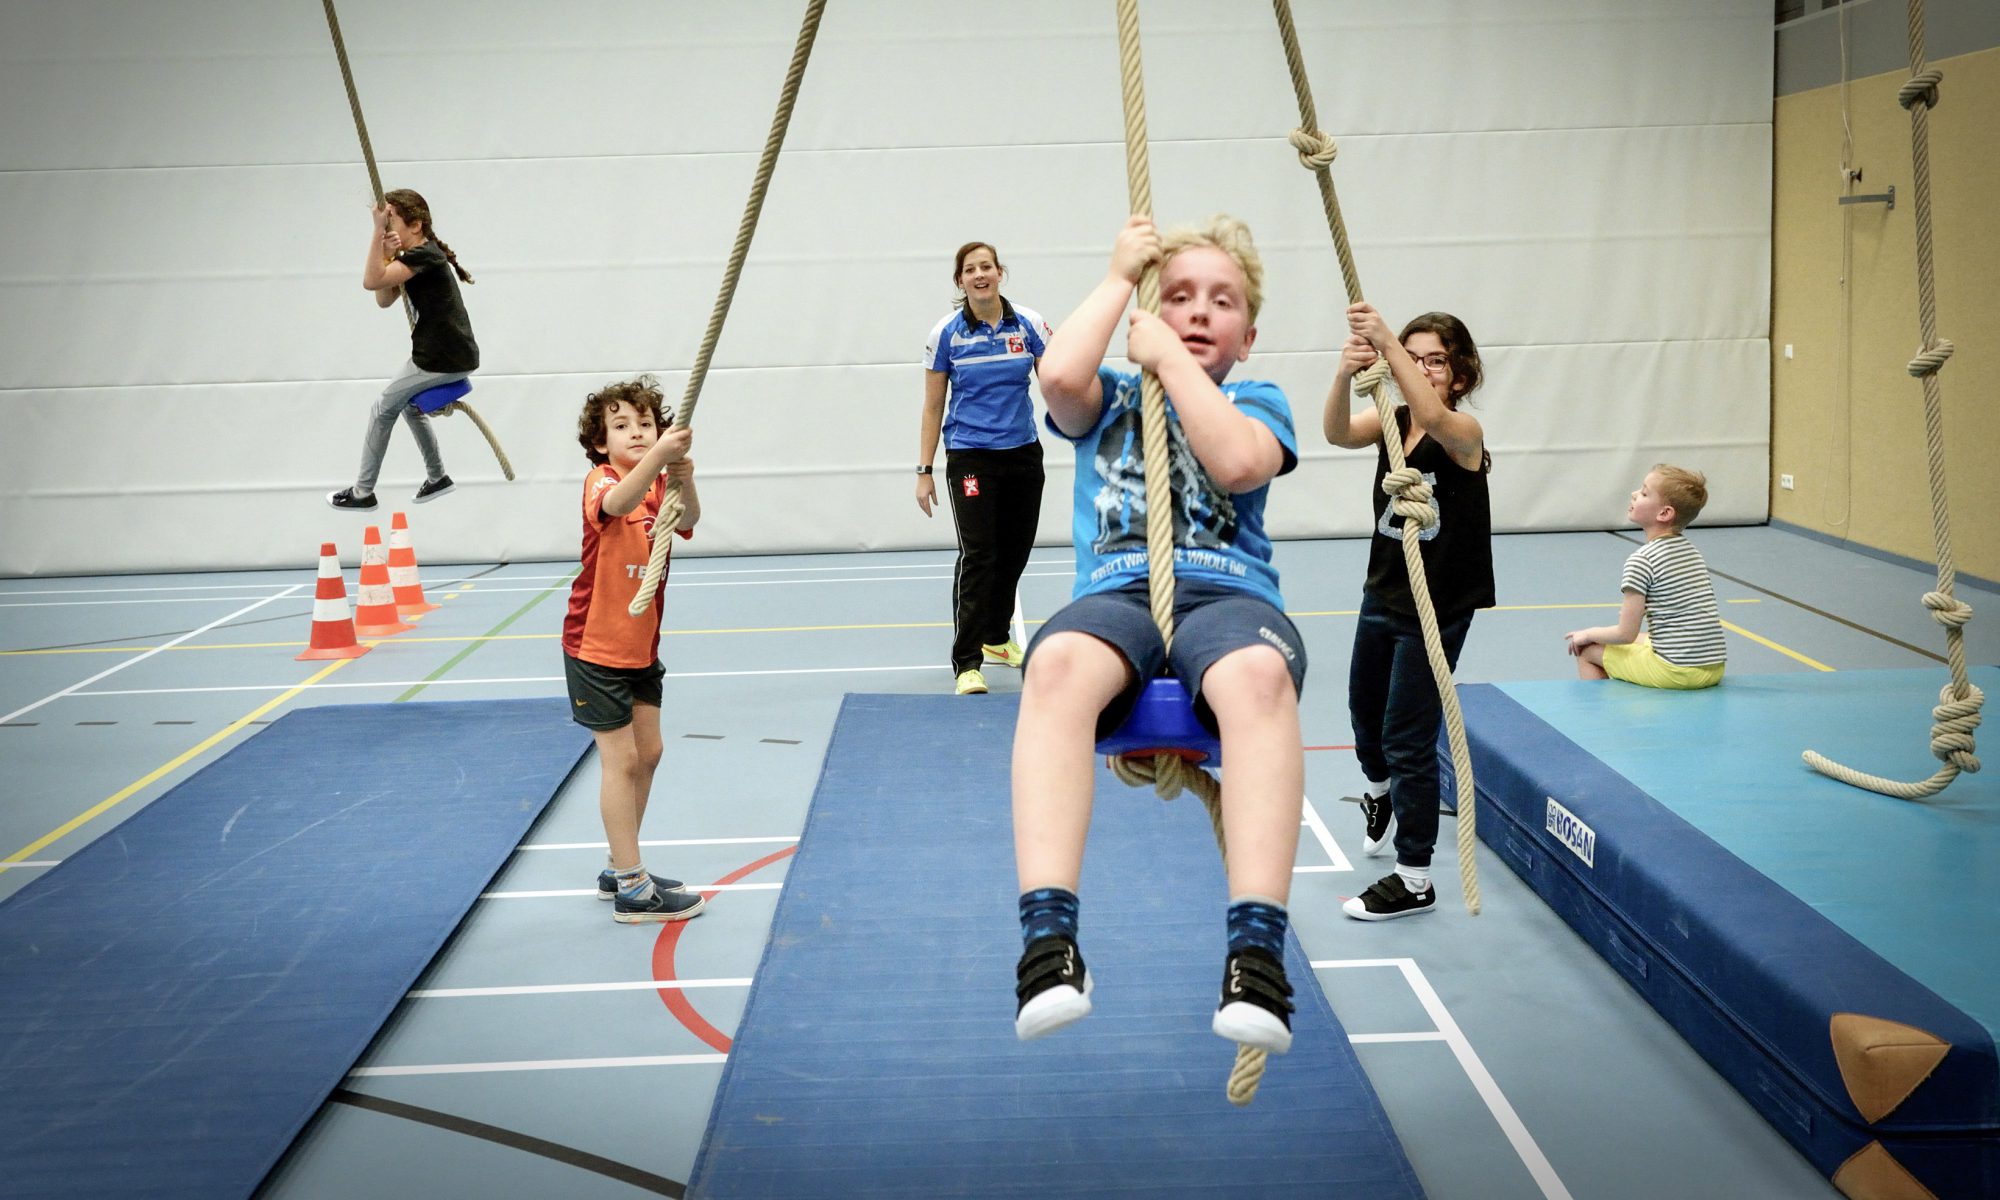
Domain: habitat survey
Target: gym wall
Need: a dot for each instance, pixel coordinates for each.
(186, 355)
(1847, 417)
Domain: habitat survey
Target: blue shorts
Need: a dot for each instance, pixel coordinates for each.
(1209, 622)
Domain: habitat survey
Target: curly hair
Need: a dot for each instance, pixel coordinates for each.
(643, 392)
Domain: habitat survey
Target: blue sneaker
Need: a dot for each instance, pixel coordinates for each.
(662, 905)
(607, 884)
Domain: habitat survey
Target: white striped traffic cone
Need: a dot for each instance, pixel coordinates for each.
(333, 625)
(403, 579)
(375, 607)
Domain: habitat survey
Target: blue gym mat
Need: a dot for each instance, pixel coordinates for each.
(876, 1055)
(1765, 910)
(178, 997)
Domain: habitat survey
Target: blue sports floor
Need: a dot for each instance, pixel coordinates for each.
(551, 1052)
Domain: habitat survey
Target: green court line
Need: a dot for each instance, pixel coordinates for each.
(466, 653)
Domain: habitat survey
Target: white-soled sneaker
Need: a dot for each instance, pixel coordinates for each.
(1388, 898)
(1256, 1008)
(1051, 987)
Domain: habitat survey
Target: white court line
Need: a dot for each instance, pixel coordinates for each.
(543, 1064)
(1482, 1081)
(49, 863)
(691, 571)
(554, 893)
(154, 600)
(1373, 1039)
(742, 841)
(72, 689)
(678, 584)
(197, 587)
(551, 989)
(1309, 817)
(407, 683)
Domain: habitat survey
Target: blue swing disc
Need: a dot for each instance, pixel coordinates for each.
(1163, 721)
(433, 398)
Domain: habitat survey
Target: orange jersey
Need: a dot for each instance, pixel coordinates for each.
(598, 629)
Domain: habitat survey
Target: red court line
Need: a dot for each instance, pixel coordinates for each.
(663, 960)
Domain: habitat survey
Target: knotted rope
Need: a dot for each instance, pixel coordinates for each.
(375, 183)
(671, 507)
(1167, 774)
(1408, 493)
(1959, 702)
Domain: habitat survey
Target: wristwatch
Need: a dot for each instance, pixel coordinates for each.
(924, 470)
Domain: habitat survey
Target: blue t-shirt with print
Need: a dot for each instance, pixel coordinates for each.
(1218, 537)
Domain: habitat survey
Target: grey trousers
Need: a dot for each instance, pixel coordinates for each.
(395, 402)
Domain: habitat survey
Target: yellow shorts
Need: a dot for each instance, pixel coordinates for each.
(1639, 663)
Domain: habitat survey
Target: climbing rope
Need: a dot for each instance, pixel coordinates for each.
(671, 507)
(375, 184)
(1959, 702)
(1409, 495)
(1167, 774)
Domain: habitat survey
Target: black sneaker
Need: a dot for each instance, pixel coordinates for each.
(1051, 987)
(346, 501)
(1376, 813)
(662, 905)
(607, 884)
(1256, 1008)
(432, 489)
(1388, 898)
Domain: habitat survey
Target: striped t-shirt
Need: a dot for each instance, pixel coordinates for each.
(1681, 617)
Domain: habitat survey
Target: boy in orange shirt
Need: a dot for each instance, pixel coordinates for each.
(610, 658)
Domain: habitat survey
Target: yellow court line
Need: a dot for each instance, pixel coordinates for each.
(126, 793)
(545, 637)
(1788, 652)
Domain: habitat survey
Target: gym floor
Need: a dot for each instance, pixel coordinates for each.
(550, 1051)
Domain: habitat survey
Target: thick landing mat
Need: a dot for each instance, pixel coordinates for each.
(179, 997)
(1828, 950)
(876, 1056)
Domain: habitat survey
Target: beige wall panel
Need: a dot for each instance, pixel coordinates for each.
(1847, 418)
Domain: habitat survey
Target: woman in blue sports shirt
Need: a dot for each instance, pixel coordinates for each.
(976, 368)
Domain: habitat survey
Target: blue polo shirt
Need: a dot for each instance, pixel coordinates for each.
(987, 405)
(1218, 537)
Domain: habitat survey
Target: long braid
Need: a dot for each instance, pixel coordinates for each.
(415, 209)
(464, 275)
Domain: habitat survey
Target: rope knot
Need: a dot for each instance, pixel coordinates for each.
(1953, 721)
(1931, 358)
(1410, 496)
(1316, 149)
(1371, 380)
(1921, 86)
(1946, 610)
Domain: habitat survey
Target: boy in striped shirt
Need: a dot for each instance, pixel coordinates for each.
(1666, 586)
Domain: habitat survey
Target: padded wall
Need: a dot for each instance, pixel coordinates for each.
(186, 355)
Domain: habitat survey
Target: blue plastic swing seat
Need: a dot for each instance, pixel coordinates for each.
(433, 398)
(1164, 722)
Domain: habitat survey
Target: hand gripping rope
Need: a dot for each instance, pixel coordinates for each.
(375, 182)
(1959, 702)
(671, 507)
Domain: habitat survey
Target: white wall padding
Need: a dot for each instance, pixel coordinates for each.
(186, 354)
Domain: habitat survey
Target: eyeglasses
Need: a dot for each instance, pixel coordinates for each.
(1432, 362)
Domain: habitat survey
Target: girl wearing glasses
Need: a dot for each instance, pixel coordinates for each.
(1391, 695)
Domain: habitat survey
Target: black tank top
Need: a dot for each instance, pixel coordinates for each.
(1457, 550)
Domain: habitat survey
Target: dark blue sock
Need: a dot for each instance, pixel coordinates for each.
(1046, 912)
(1258, 923)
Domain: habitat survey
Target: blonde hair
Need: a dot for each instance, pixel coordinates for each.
(1232, 237)
(1686, 490)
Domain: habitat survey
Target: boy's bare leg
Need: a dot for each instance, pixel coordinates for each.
(645, 729)
(1069, 681)
(618, 798)
(1590, 662)
(1263, 791)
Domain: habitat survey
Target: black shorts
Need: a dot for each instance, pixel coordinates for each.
(601, 698)
(1209, 622)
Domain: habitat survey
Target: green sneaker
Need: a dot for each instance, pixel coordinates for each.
(971, 683)
(1007, 654)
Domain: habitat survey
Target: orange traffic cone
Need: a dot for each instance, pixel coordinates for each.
(332, 627)
(375, 609)
(403, 578)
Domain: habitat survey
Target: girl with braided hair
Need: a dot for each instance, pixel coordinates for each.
(407, 259)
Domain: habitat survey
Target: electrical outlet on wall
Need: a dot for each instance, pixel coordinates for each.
(1785, 482)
